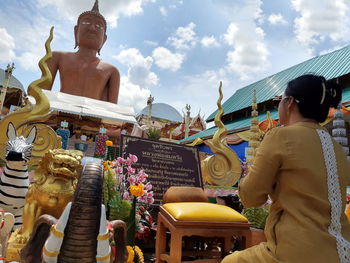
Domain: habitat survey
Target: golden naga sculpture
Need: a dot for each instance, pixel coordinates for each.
(28, 115)
(224, 168)
(54, 185)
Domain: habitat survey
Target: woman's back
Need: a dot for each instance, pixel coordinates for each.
(302, 227)
(305, 172)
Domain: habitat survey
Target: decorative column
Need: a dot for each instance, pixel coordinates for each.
(254, 139)
(187, 120)
(100, 143)
(110, 151)
(339, 130)
(149, 104)
(64, 133)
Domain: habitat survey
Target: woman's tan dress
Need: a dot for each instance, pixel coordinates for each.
(307, 184)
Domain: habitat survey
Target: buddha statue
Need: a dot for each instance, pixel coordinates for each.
(82, 73)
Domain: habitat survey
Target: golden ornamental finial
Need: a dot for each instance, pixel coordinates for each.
(224, 168)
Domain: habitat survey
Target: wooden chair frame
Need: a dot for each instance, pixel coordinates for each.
(179, 229)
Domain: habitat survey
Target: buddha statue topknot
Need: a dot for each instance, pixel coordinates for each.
(82, 73)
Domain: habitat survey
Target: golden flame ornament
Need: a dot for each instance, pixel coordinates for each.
(223, 168)
(28, 115)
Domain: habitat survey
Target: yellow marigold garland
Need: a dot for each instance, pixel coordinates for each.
(139, 254)
(131, 254)
(134, 253)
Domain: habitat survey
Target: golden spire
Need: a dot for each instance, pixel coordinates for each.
(254, 140)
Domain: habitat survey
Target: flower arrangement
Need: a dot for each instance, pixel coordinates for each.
(110, 150)
(127, 194)
(100, 145)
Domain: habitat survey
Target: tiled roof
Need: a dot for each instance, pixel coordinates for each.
(331, 65)
(230, 126)
(245, 122)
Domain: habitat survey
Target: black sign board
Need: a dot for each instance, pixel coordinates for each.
(167, 164)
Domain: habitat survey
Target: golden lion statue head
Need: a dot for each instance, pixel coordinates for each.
(59, 164)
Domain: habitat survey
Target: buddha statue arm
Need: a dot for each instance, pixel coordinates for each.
(53, 66)
(113, 86)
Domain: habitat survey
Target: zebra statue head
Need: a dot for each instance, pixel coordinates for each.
(19, 148)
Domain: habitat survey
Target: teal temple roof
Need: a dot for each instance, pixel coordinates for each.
(330, 65)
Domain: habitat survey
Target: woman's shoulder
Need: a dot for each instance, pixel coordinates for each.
(277, 131)
(282, 133)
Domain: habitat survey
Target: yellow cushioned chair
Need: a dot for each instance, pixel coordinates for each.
(202, 219)
(194, 211)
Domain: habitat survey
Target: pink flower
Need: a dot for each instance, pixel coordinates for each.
(150, 200)
(130, 170)
(148, 186)
(132, 180)
(126, 195)
(120, 161)
(150, 194)
(121, 177)
(118, 170)
(128, 161)
(133, 158)
(142, 176)
(142, 198)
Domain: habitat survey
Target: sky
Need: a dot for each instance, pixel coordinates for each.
(179, 50)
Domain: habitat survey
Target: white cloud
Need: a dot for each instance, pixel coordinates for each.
(209, 42)
(26, 46)
(277, 19)
(184, 37)
(139, 67)
(165, 59)
(132, 95)
(249, 53)
(151, 43)
(163, 11)
(318, 22)
(243, 10)
(110, 9)
(7, 46)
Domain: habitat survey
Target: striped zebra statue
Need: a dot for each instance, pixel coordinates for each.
(14, 181)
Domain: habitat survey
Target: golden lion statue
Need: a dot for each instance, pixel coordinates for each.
(53, 188)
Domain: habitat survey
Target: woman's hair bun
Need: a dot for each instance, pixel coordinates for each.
(315, 95)
(333, 93)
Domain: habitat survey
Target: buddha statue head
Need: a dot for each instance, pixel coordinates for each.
(90, 31)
